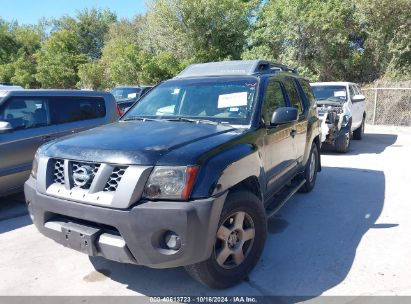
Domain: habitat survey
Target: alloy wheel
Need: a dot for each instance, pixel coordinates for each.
(234, 241)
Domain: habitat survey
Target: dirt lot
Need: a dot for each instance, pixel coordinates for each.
(349, 236)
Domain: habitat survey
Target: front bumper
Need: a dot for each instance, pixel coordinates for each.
(134, 235)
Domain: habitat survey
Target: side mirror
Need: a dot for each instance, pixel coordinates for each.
(5, 127)
(284, 115)
(357, 98)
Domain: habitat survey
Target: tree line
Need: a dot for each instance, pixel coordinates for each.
(353, 40)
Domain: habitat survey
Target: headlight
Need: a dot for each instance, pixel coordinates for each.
(171, 183)
(35, 165)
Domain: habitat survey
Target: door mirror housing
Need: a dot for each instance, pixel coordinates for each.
(5, 127)
(358, 98)
(284, 115)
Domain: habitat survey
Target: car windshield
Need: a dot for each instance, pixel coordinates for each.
(125, 93)
(219, 100)
(333, 93)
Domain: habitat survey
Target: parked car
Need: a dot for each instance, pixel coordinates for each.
(126, 96)
(341, 109)
(188, 176)
(30, 118)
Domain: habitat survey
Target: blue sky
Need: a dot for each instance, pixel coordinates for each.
(30, 11)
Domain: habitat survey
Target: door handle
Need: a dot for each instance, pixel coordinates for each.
(293, 132)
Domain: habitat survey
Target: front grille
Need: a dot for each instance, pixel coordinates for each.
(59, 171)
(114, 179)
(84, 178)
(94, 168)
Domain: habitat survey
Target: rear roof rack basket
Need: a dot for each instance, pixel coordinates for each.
(235, 67)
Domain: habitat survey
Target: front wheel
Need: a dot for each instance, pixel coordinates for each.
(359, 133)
(239, 242)
(342, 143)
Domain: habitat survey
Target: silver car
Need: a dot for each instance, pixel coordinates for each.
(30, 118)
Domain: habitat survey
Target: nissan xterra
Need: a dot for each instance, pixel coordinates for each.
(188, 176)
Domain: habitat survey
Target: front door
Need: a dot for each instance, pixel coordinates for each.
(279, 152)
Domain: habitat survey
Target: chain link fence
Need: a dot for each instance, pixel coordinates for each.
(388, 106)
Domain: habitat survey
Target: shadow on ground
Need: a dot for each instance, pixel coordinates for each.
(13, 213)
(371, 143)
(310, 248)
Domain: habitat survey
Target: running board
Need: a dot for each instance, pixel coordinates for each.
(283, 196)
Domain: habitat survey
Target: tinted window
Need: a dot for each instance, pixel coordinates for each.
(68, 109)
(293, 95)
(308, 91)
(26, 112)
(273, 99)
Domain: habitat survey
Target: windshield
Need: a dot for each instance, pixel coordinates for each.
(218, 100)
(333, 93)
(125, 93)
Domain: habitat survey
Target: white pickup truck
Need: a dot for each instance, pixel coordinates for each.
(341, 109)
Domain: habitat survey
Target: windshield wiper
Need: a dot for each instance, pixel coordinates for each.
(183, 119)
(137, 118)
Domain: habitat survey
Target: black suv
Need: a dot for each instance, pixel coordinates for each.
(188, 176)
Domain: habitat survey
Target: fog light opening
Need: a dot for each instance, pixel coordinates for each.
(172, 240)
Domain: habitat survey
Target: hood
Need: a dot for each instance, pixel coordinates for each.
(139, 142)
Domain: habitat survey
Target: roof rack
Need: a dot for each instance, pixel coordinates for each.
(235, 67)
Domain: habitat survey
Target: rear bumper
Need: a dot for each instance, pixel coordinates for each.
(134, 235)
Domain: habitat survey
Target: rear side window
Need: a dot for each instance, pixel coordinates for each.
(68, 109)
(293, 94)
(308, 91)
(273, 100)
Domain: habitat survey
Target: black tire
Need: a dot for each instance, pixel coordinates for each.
(359, 133)
(342, 143)
(311, 176)
(210, 273)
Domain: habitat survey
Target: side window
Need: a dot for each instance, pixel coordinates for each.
(69, 109)
(308, 91)
(26, 113)
(293, 94)
(357, 90)
(273, 99)
(352, 92)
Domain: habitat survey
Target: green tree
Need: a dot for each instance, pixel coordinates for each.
(315, 36)
(28, 39)
(200, 30)
(387, 26)
(58, 61)
(90, 28)
(91, 76)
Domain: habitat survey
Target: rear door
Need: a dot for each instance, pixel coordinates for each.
(279, 154)
(71, 114)
(30, 119)
(300, 126)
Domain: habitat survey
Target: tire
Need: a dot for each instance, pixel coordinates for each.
(229, 270)
(359, 133)
(342, 143)
(311, 169)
